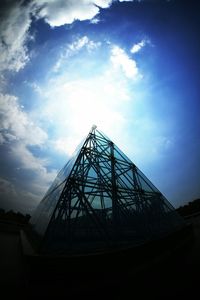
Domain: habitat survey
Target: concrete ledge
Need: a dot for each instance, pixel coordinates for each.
(134, 259)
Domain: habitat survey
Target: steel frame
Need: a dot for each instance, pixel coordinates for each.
(106, 201)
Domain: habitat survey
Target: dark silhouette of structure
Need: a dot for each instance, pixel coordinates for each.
(15, 217)
(193, 207)
(99, 201)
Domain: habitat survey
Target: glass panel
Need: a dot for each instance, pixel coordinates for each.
(65, 171)
(145, 183)
(44, 211)
(101, 135)
(121, 156)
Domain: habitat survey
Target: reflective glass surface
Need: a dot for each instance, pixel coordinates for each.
(45, 209)
(101, 198)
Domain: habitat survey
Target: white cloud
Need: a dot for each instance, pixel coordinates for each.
(95, 21)
(41, 178)
(59, 12)
(121, 60)
(16, 198)
(35, 87)
(6, 186)
(15, 124)
(75, 47)
(18, 132)
(15, 22)
(14, 26)
(66, 144)
(137, 47)
(82, 42)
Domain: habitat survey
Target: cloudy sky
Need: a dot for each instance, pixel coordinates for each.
(130, 67)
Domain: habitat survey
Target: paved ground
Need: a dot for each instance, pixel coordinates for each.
(177, 277)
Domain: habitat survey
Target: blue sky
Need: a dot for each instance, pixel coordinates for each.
(130, 67)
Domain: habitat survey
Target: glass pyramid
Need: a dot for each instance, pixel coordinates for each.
(101, 200)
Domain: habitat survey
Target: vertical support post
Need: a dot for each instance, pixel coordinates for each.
(137, 188)
(114, 187)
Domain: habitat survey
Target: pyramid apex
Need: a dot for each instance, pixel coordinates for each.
(94, 127)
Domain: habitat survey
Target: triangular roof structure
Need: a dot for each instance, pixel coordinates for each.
(100, 199)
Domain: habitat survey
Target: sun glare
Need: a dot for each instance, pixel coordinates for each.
(81, 104)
